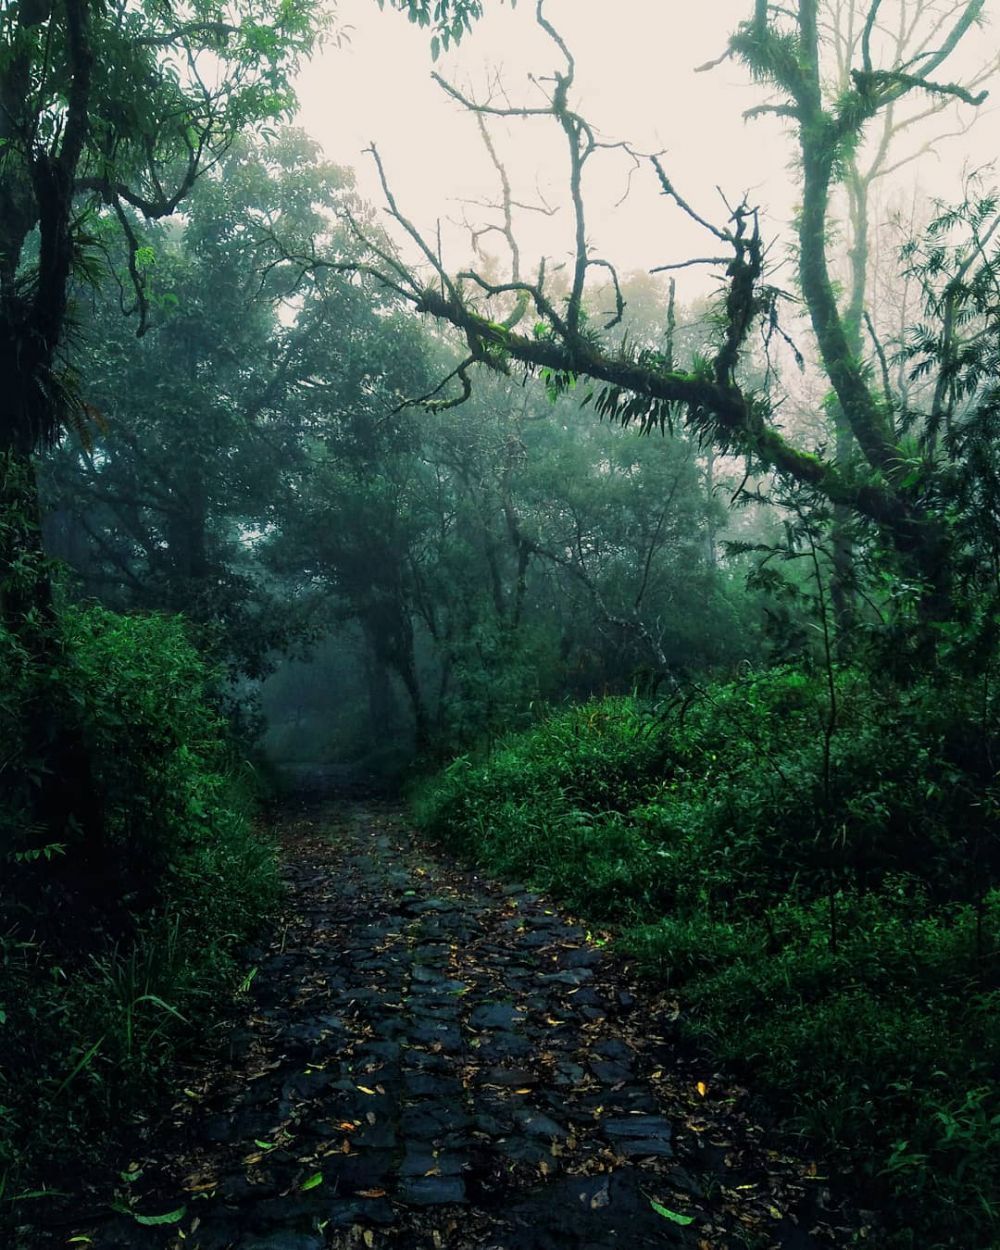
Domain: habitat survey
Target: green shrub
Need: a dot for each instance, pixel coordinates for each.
(819, 878)
(120, 927)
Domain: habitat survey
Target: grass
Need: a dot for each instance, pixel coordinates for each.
(826, 904)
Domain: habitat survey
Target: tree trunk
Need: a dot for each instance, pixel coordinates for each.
(381, 700)
(25, 581)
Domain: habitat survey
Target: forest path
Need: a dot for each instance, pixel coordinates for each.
(432, 1060)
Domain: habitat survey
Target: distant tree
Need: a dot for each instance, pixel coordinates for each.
(104, 108)
(161, 506)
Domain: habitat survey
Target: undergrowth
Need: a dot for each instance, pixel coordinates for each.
(119, 931)
(822, 891)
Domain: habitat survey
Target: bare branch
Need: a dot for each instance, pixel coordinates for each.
(715, 62)
(138, 282)
(619, 300)
(428, 401)
(880, 353)
(697, 260)
(770, 110)
(866, 38)
(221, 31)
(411, 230)
(899, 83)
(670, 190)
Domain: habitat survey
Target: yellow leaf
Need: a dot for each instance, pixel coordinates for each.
(369, 1237)
(702, 1088)
(522, 1091)
(365, 1090)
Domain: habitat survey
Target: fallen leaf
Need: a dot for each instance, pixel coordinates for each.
(312, 1182)
(153, 1221)
(702, 1088)
(369, 1237)
(365, 1090)
(371, 1193)
(674, 1216)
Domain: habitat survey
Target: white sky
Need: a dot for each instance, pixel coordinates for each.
(635, 80)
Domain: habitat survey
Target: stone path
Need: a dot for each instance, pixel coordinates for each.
(431, 1060)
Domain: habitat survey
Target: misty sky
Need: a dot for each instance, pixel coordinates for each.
(636, 80)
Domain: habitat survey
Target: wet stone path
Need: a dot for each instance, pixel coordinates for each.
(430, 1060)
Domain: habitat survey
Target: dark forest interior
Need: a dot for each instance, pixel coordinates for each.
(499, 746)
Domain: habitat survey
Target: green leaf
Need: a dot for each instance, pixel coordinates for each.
(80, 1066)
(312, 1182)
(154, 1221)
(673, 1216)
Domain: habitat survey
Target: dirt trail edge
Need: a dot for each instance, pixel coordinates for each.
(433, 1060)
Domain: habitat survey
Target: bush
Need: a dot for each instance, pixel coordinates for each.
(120, 924)
(820, 880)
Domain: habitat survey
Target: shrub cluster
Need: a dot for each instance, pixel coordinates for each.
(131, 876)
(815, 865)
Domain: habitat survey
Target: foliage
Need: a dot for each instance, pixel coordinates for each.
(828, 906)
(202, 418)
(117, 940)
(449, 19)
